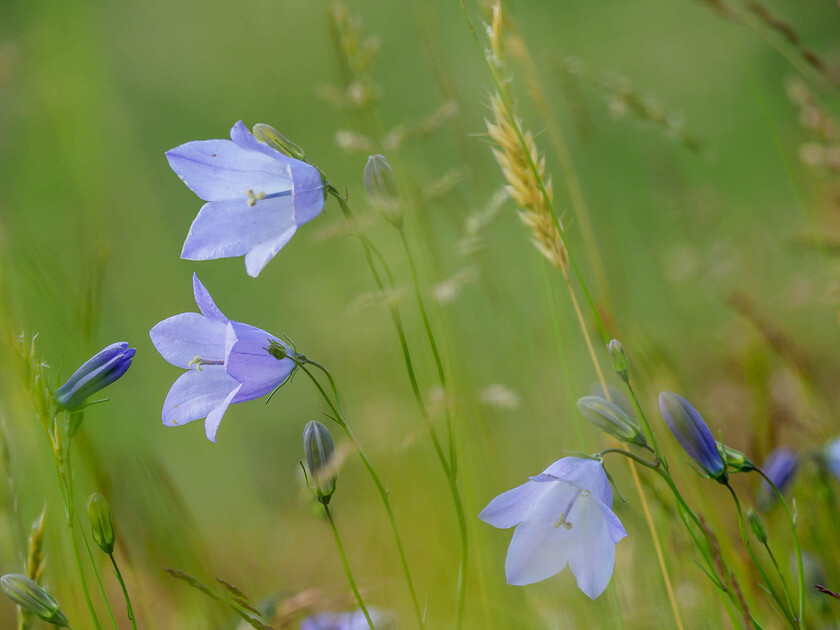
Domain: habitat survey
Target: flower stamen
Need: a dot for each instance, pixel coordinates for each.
(198, 362)
(253, 198)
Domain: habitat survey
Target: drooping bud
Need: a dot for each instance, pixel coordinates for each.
(780, 467)
(32, 598)
(691, 432)
(611, 419)
(105, 367)
(318, 449)
(381, 185)
(101, 523)
(275, 139)
(736, 461)
(278, 350)
(619, 360)
(757, 526)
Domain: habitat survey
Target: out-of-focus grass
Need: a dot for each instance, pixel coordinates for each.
(92, 94)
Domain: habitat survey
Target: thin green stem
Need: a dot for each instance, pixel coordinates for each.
(645, 423)
(446, 465)
(347, 570)
(797, 548)
(96, 575)
(746, 540)
(641, 460)
(69, 511)
(128, 608)
(337, 409)
(453, 456)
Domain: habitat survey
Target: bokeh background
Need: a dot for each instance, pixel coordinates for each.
(719, 274)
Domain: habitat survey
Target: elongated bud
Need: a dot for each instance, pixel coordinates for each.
(32, 598)
(381, 185)
(757, 526)
(275, 139)
(736, 461)
(619, 360)
(380, 181)
(105, 367)
(318, 449)
(691, 432)
(101, 523)
(611, 419)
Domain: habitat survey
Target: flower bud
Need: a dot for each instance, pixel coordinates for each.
(780, 467)
(692, 433)
(831, 456)
(318, 448)
(736, 461)
(275, 139)
(381, 185)
(611, 419)
(619, 360)
(278, 350)
(96, 373)
(101, 523)
(757, 526)
(32, 598)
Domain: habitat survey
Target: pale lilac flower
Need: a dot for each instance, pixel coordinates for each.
(348, 621)
(562, 516)
(102, 369)
(227, 362)
(256, 197)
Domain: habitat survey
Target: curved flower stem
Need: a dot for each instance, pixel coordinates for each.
(447, 465)
(338, 416)
(746, 540)
(347, 570)
(797, 548)
(641, 460)
(453, 454)
(128, 608)
(61, 441)
(686, 513)
(645, 423)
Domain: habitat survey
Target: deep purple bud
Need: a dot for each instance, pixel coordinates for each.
(780, 467)
(692, 433)
(105, 367)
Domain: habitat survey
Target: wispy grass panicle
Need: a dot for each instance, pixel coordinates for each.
(523, 166)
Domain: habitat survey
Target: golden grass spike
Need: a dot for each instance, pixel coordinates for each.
(524, 183)
(35, 561)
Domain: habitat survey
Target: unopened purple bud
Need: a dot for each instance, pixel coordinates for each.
(105, 367)
(692, 433)
(780, 467)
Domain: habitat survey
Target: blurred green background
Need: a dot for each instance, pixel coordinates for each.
(92, 221)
